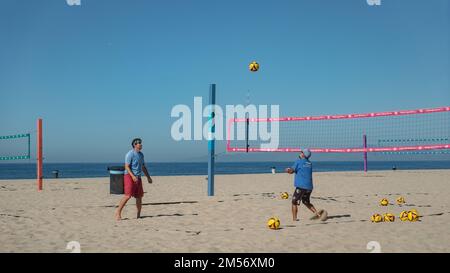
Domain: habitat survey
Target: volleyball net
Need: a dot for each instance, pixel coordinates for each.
(15, 147)
(12, 148)
(385, 132)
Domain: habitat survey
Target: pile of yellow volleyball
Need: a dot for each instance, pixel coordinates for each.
(411, 215)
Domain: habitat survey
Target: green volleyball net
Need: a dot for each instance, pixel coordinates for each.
(15, 147)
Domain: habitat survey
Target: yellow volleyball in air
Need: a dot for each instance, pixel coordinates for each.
(413, 216)
(403, 216)
(401, 200)
(273, 223)
(388, 217)
(253, 66)
(376, 218)
(284, 195)
(384, 202)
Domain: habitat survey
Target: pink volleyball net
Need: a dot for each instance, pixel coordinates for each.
(393, 131)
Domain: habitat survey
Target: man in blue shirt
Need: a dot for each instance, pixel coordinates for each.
(134, 168)
(303, 183)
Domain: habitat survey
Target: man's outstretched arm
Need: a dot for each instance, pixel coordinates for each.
(289, 170)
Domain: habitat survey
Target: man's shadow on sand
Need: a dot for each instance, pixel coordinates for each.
(155, 204)
(315, 222)
(167, 215)
(338, 216)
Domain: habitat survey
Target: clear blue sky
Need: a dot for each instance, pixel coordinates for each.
(104, 72)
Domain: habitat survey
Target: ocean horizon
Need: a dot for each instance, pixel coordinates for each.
(87, 170)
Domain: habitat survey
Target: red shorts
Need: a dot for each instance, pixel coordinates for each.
(132, 188)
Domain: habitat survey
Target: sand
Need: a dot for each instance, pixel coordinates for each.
(179, 217)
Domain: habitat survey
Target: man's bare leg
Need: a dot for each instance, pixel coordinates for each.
(313, 209)
(122, 204)
(139, 207)
(294, 212)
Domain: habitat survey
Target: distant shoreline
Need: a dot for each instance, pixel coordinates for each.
(221, 162)
(93, 170)
(231, 174)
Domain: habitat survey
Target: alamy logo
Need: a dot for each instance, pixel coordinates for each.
(73, 2)
(190, 125)
(374, 2)
(74, 246)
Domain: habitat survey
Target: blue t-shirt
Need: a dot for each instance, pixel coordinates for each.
(303, 174)
(136, 161)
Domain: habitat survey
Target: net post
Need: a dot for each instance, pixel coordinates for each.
(39, 154)
(365, 152)
(29, 146)
(211, 139)
(246, 132)
(247, 122)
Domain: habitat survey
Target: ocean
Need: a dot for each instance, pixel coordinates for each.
(80, 170)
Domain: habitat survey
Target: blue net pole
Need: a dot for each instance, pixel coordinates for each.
(211, 140)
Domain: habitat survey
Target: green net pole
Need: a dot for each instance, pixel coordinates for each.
(29, 144)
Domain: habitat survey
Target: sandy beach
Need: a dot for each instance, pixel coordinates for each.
(179, 217)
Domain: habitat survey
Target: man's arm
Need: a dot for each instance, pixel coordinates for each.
(289, 170)
(292, 169)
(127, 167)
(144, 169)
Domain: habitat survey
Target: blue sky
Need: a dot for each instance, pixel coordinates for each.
(104, 72)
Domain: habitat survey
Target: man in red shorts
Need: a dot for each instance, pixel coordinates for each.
(134, 167)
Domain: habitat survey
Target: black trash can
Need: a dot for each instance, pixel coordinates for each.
(55, 173)
(116, 179)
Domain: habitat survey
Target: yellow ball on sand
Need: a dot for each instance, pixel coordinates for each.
(403, 216)
(388, 217)
(413, 216)
(284, 195)
(384, 202)
(401, 200)
(253, 66)
(376, 218)
(273, 223)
